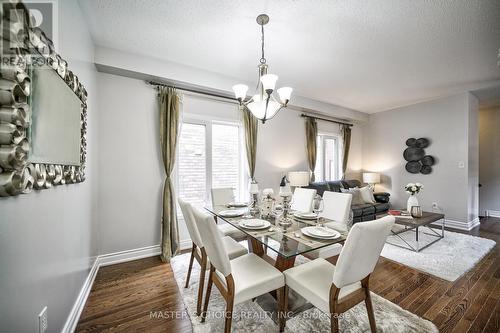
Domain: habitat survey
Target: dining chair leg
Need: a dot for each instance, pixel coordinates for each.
(334, 322)
(203, 268)
(229, 314)
(282, 305)
(369, 309)
(207, 295)
(193, 249)
(368, 302)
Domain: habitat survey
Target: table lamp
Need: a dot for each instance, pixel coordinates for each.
(298, 178)
(371, 178)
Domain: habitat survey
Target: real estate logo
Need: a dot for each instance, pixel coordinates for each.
(24, 25)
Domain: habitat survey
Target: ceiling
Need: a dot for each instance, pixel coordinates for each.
(364, 55)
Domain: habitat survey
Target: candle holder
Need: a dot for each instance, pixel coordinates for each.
(285, 220)
(254, 197)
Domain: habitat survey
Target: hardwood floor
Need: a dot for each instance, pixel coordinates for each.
(124, 295)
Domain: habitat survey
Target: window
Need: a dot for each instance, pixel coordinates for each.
(209, 155)
(327, 158)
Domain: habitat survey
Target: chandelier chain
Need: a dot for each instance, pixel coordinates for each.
(262, 59)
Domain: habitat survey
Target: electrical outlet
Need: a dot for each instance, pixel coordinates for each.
(435, 205)
(42, 321)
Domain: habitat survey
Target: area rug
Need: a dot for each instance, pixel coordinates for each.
(250, 317)
(448, 259)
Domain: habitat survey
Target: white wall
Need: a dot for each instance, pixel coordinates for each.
(49, 238)
(449, 124)
(489, 161)
(131, 172)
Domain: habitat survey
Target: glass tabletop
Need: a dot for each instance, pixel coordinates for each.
(287, 244)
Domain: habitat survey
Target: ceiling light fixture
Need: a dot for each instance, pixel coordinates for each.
(263, 104)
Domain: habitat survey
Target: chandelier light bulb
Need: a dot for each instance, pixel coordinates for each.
(240, 91)
(269, 81)
(285, 93)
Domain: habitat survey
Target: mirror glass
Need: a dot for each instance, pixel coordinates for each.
(55, 126)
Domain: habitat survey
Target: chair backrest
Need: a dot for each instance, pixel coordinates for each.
(336, 206)
(212, 241)
(222, 196)
(302, 199)
(187, 213)
(361, 251)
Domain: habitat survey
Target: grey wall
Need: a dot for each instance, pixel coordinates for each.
(131, 173)
(49, 239)
(450, 125)
(489, 160)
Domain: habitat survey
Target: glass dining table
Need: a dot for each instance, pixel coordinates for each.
(286, 245)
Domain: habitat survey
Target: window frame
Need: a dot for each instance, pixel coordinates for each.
(208, 123)
(322, 136)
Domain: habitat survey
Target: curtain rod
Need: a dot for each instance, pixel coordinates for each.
(324, 119)
(192, 90)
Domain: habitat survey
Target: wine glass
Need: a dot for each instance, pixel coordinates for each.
(318, 205)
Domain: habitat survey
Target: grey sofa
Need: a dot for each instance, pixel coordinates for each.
(364, 212)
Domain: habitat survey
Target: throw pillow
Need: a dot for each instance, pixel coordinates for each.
(356, 195)
(367, 194)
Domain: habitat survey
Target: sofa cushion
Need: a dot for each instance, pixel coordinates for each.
(320, 187)
(350, 183)
(335, 185)
(381, 207)
(364, 209)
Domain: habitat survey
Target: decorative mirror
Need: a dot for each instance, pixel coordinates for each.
(43, 110)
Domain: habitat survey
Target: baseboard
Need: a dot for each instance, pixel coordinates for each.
(492, 213)
(129, 255)
(101, 261)
(76, 310)
(186, 244)
(453, 224)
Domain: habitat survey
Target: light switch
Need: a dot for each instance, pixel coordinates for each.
(461, 164)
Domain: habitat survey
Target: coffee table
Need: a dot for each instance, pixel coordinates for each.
(405, 225)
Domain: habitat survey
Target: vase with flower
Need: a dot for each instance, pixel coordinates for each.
(413, 189)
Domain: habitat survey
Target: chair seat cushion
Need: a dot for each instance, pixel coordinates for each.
(233, 248)
(228, 230)
(325, 252)
(253, 276)
(313, 281)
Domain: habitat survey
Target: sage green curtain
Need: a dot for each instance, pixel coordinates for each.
(346, 136)
(170, 121)
(251, 126)
(311, 135)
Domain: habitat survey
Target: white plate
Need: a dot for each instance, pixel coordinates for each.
(254, 224)
(306, 216)
(237, 204)
(320, 232)
(231, 213)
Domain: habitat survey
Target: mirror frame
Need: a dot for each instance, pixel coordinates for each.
(17, 174)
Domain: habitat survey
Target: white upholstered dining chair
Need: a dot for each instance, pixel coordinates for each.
(302, 199)
(336, 207)
(335, 289)
(240, 279)
(222, 197)
(198, 252)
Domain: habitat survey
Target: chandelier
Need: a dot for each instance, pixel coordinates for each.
(263, 104)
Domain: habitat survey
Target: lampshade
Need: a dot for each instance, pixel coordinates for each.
(298, 178)
(285, 93)
(371, 177)
(269, 81)
(240, 91)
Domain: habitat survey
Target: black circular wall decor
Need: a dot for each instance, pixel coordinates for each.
(428, 160)
(411, 142)
(413, 167)
(415, 155)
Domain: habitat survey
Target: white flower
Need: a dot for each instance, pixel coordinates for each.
(414, 188)
(419, 185)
